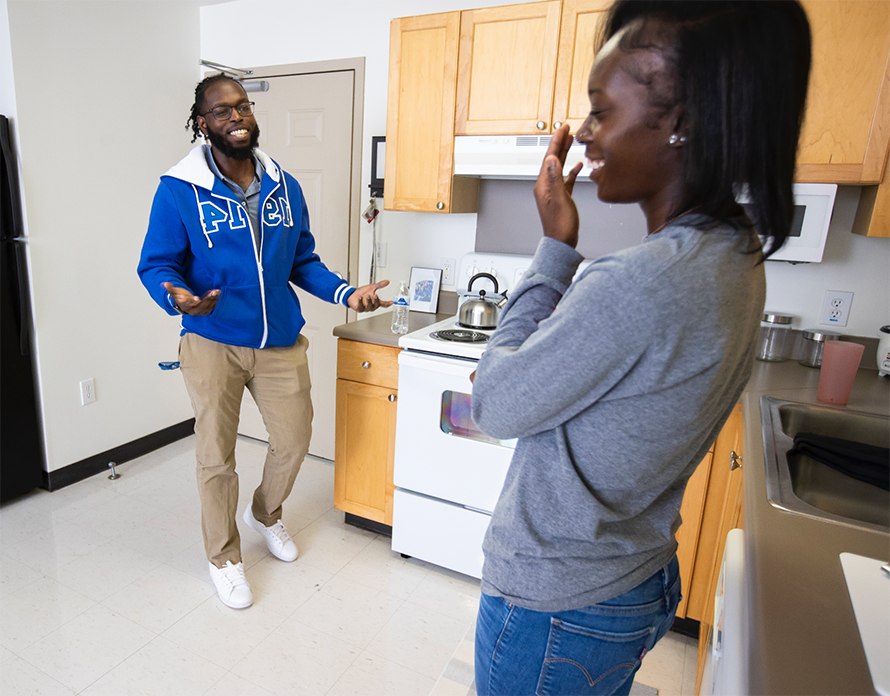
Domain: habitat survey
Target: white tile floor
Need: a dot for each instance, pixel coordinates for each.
(105, 590)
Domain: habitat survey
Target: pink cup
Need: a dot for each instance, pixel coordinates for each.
(840, 360)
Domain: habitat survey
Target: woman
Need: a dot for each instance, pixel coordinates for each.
(616, 384)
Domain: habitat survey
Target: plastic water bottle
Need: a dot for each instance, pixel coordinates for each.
(400, 309)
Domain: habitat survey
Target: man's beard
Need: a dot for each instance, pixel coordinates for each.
(236, 153)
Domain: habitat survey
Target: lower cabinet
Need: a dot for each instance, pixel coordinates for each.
(691, 512)
(367, 393)
(721, 513)
(711, 507)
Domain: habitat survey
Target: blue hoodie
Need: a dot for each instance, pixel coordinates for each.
(199, 238)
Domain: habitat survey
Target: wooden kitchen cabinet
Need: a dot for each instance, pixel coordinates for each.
(524, 68)
(691, 512)
(507, 68)
(711, 507)
(420, 118)
(873, 214)
(846, 130)
(580, 22)
(367, 393)
(722, 513)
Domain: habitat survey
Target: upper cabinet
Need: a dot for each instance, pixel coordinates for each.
(579, 26)
(523, 68)
(420, 118)
(501, 89)
(846, 129)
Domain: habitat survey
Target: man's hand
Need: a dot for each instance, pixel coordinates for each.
(192, 304)
(365, 299)
(554, 195)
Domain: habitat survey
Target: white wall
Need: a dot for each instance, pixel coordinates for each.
(102, 92)
(7, 79)
(851, 263)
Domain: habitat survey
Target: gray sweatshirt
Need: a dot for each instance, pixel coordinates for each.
(616, 386)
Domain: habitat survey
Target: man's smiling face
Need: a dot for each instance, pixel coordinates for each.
(235, 136)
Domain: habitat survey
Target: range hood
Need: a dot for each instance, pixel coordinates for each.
(508, 156)
(520, 157)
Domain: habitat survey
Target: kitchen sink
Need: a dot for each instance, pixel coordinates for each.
(803, 486)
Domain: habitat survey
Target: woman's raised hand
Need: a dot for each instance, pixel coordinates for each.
(553, 194)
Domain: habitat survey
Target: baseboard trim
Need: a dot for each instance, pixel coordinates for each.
(686, 627)
(54, 480)
(369, 525)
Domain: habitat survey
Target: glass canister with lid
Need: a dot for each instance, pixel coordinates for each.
(813, 343)
(883, 355)
(772, 344)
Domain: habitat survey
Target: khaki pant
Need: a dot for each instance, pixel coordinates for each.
(215, 375)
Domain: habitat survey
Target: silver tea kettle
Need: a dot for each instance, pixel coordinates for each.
(481, 311)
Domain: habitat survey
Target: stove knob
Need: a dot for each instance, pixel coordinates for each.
(366, 364)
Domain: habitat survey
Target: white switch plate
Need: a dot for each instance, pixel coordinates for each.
(836, 308)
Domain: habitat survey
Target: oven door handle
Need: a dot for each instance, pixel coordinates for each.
(436, 363)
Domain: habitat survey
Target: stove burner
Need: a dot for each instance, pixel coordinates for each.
(460, 336)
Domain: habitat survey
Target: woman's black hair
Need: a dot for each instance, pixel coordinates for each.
(198, 105)
(742, 69)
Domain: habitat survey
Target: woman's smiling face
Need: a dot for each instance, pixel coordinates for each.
(627, 132)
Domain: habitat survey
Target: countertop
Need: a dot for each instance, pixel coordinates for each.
(802, 637)
(376, 328)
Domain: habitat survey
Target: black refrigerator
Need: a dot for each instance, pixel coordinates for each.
(21, 447)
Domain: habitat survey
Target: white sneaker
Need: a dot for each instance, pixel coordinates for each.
(231, 585)
(277, 539)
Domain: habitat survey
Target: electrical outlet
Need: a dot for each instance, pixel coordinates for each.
(87, 391)
(448, 266)
(380, 261)
(836, 308)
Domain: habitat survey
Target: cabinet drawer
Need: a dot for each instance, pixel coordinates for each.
(368, 363)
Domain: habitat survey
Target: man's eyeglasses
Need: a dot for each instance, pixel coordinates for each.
(223, 113)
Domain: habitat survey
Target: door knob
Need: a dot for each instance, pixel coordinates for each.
(391, 397)
(366, 364)
(557, 125)
(540, 125)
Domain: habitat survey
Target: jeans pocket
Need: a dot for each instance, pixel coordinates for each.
(584, 660)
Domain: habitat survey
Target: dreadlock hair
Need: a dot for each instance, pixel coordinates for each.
(741, 71)
(198, 106)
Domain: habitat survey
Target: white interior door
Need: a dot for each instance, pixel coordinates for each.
(306, 125)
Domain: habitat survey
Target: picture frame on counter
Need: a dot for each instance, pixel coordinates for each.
(423, 289)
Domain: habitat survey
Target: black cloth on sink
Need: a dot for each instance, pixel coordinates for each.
(867, 463)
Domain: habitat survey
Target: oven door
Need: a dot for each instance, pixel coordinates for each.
(439, 450)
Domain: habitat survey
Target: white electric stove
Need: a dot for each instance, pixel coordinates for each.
(448, 337)
(448, 474)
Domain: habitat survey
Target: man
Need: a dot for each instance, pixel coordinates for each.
(229, 230)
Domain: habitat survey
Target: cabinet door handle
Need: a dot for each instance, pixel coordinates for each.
(557, 125)
(735, 461)
(391, 397)
(540, 125)
(440, 206)
(366, 364)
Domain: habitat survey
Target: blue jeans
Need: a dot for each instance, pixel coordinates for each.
(594, 650)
